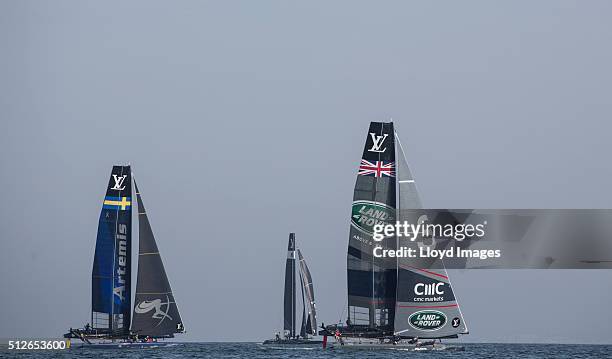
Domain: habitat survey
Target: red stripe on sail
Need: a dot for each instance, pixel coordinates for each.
(424, 270)
(428, 306)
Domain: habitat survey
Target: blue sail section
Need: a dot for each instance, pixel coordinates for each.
(111, 284)
(102, 288)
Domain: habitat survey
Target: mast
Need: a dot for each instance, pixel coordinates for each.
(372, 281)
(111, 273)
(155, 311)
(289, 294)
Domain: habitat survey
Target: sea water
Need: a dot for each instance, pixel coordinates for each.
(255, 351)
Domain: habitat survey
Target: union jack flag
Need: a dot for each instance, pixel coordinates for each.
(377, 169)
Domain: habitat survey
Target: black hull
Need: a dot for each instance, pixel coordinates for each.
(124, 345)
(292, 342)
(87, 335)
(357, 331)
(362, 331)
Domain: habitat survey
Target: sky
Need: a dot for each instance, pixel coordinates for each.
(246, 120)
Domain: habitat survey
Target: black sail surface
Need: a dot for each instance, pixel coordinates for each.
(372, 281)
(155, 311)
(309, 321)
(289, 294)
(426, 305)
(310, 327)
(303, 325)
(111, 274)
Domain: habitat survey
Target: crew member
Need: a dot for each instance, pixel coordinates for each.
(338, 336)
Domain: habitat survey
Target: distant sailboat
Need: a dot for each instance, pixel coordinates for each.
(308, 326)
(391, 301)
(155, 313)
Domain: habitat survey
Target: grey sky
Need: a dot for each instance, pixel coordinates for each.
(245, 120)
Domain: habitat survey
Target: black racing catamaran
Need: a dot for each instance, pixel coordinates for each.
(391, 301)
(308, 327)
(155, 313)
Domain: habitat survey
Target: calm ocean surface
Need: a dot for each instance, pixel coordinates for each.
(253, 350)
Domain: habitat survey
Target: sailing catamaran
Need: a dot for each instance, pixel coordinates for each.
(391, 301)
(155, 313)
(309, 322)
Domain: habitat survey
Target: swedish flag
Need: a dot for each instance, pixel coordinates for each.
(121, 203)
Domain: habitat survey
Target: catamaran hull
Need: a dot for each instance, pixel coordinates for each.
(123, 345)
(292, 342)
(348, 345)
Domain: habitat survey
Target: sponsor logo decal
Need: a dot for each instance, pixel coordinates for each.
(427, 320)
(377, 168)
(366, 214)
(429, 289)
(428, 292)
(148, 305)
(119, 182)
(377, 142)
(456, 322)
(121, 241)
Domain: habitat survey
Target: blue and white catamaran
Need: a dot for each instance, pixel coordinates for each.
(114, 322)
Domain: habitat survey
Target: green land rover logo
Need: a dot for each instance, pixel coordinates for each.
(427, 320)
(366, 214)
